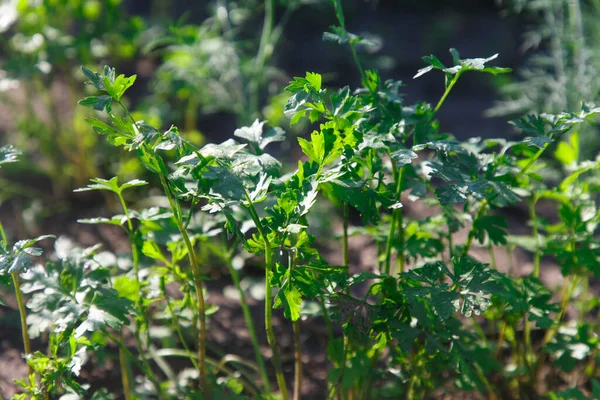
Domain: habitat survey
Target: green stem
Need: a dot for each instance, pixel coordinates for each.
(569, 285)
(297, 345)
(298, 361)
(23, 314)
(534, 221)
(447, 92)
(218, 365)
(124, 370)
(144, 367)
(140, 305)
(400, 223)
(265, 49)
(529, 354)
(480, 213)
(4, 243)
(388, 245)
(198, 286)
(177, 326)
(250, 324)
(396, 217)
(340, 17)
(269, 300)
(345, 253)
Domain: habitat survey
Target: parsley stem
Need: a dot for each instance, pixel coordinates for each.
(297, 361)
(400, 223)
(447, 92)
(124, 370)
(480, 213)
(144, 367)
(297, 346)
(177, 325)
(268, 299)
(396, 217)
(198, 285)
(345, 254)
(534, 221)
(140, 305)
(4, 244)
(23, 314)
(265, 49)
(249, 322)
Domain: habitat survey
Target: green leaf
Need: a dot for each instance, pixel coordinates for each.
(132, 183)
(494, 225)
(102, 184)
(461, 65)
(226, 150)
(341, 36)
(292, 301)
(567, 152)
(99, 103)
(97, 319)
(254, 134)
(403, 156)
(102, 128)
(152, 162)
(8, 154)
(151, 249)
(120, 85)
(314, 79)
(95, 78)
(22, 245)
(127, 288)
(226, 183)
(116, 220)
(537, 141)
(260, 191)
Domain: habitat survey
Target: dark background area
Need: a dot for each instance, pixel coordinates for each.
(404, 32)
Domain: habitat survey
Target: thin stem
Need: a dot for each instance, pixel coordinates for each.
(400, 223)
(388, 245)
(218, 365)
(480, 213)
(567, 292)
(198, 286)
(534, 222)
(492, 256)
(345, 254)
(265, 49)
(450, 245)
(250, 324)
(297, 345)
(337, 4)
(298, 361)
(269, 300)
(140, 304)
(447, 92)
(23, 314)
(3, 236)
(500, 338)
(396, 217)
(144, 367)
(529, 354)
(177, 327)
(124, 370)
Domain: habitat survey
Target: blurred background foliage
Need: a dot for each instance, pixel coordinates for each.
(212, 66)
